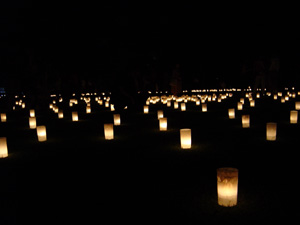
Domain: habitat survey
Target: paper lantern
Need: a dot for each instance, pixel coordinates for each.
(242, 100)
(60, 114)
(23, 105)
(183, 106)
(32, 113)
(186, 138)
(175, 105)
(204, 107)
(41, 133)
(163, 124)
(88, 109)
(169, 103)
(239, 106)
(146, 109)
(106, 104)
(293, 116)
(252, 103)
(74, 116)
(3, 147)
(160, 114)
(297, 105)
(271, 131)
(32, 122)
(227, 186)
(112, 107)
(109, 131)
(3, 117)
(117, 119)
(231, 113)
(246, 121)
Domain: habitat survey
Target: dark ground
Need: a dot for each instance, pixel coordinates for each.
(142, 176)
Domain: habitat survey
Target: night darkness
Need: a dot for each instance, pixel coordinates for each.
(76, 45)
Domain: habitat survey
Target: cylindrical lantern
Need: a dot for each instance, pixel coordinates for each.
(204, 107)
(88, 109)
(146, 109)
(163, 124)
(175, 105)
(109, 131)
(32, 122)
(41, 133)
(231, 113)
(293, 116)
(160, 114)
(60, 114)
(117, 119)
(297, 105)
(183, 106)
(74, 116)
(239, 106)
(227, 186)
(3, 117)
(32, 113)
(106, 104)
(252, 103)
(112, 107)
(3, 147)
(271, 131)
(246, 121)
(186, 138)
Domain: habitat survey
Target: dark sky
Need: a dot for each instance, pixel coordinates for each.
(93, 37)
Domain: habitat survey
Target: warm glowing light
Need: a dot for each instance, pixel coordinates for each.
(88, 109)
(239, 106)
(297, 105)
(252, 103)
(3, 117)
(3, 147)
(227, 186)
(183, 106)
(74, 116)
(246, 121)
(117, 119)
(146, 109)
(293, 116)
(109, 131)
(160, 114)
(204, 107)
(41, 133)
(175, 105)
(32, 113)
(186, 138)
(32, 122)
(271, 131)
(231, 113)
(163, 124)
(60, 114)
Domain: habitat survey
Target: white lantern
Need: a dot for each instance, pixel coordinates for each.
(204, 107)
(60, 114)
(163, 124)
(41, 133)
(112, 107)
(239, 106)
(186, 138)
(109, 131)
(32, 113)
(117, 119)
(146, 109)
(74, 116)
(183, 106)
(32, 122)
(3, 117)
(271, 131)
(88, 109)
(293, 116)
(175, 105)
(3, 147)
(252, 103)
(227, 186)
(246, 121)
(297, 105)
(231, 113)
(160, 114)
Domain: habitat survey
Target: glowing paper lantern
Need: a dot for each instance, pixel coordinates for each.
(231, 113)
(117, 119)
(109, 131)
(160, 114)
(32, 122)
(239, 106)
(146, 109)
(186, 138)
(163, 124)
(227, 186)
(252, 103)
(88, 109)
(32, 113)
(74, 116)
(183, 106)
(41, 133)
(297, 105)
(60, 114)
(3, 117)
(246, 121)
(3, 147)
(175, 105)
(293, 116)
(112, 107)
(271, 131)
(204, 107)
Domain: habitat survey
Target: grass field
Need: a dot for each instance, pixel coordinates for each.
(143, 176)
